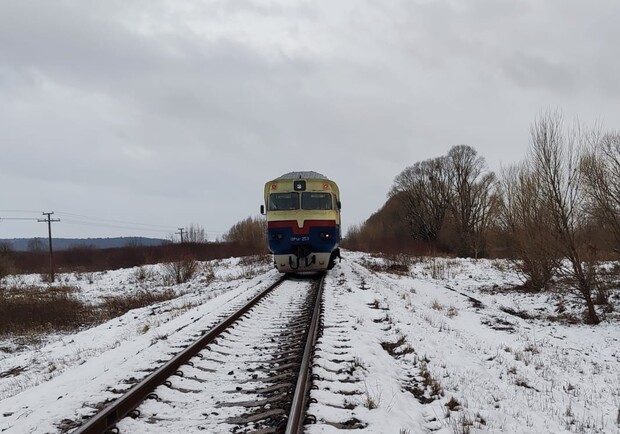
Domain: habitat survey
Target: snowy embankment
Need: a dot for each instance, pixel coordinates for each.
(433, 349)
(471, 366)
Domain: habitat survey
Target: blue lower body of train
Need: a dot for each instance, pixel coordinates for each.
(312, 247)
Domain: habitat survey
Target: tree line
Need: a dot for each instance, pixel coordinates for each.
(557, 212)
(246, 237)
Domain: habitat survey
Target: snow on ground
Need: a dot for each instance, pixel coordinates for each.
(436, 349)
(69, 372)
(506, 373)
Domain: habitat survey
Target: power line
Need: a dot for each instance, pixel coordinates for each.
(20, 210)
(85, 220)
(129, 225)
(107, 225)
(112, 220)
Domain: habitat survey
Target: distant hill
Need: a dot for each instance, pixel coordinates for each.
(25, 244)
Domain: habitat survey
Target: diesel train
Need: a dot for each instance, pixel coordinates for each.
(303, 221)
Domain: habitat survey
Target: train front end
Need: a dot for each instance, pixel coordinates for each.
(303, 222)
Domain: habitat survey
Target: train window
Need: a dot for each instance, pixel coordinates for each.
(316, 201)
(283, 201)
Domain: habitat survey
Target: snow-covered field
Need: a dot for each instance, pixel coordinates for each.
(430, 350)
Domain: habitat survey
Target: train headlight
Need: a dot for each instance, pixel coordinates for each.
(278, 236)
(325, 235)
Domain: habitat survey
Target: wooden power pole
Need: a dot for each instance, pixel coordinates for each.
(49, 221)
(181, 232)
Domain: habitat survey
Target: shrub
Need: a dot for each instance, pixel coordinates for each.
(179, 271)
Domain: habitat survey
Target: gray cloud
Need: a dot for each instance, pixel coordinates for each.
(168, 112)
(536, 72)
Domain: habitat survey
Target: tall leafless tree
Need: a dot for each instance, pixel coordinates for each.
(473, 199)
(195, 234)
(423, 189)
(555, 155)
(35, 245)
(601, 172)
(6, 263)
(454, 190)
(250, 232)
(523, 217)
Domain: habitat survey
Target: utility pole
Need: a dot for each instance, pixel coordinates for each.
(49, 221)
(181, 232)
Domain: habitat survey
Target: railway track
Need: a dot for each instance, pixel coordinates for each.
(250, 373)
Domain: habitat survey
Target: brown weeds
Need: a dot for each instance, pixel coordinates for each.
(398, 348)
(34, 310)
(119, 305)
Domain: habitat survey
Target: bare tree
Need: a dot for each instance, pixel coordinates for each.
(6, 263)
(453, 196)
(6, 247)
(195, 234)
(601, 173)
(35, 245)
(473, 200)
(384, 231)
(555, 156)
(523, 216)
(424, 191)
(250, 232)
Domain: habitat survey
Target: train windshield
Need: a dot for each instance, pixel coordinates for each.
(316, 201)
(283, 201)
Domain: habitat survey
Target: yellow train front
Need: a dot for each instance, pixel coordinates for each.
(303, 221)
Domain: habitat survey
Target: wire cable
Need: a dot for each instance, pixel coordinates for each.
(113, 226)
(61, 213)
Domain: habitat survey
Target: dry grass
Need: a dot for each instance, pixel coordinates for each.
(440, 268)
(143, 274)
(37, 310)
(90, 259)
(432, 385)
(396, 264)
(118, 305)
(371, 399)
(453, 404)
(424, 387)
(437, 305)
(452, 312)
(398, 348)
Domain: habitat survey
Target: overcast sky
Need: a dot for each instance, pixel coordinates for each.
(166, 113)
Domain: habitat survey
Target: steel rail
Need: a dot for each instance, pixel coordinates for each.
(295, 421)
(122, 406)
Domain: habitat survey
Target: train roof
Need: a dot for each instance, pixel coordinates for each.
(303, 175)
